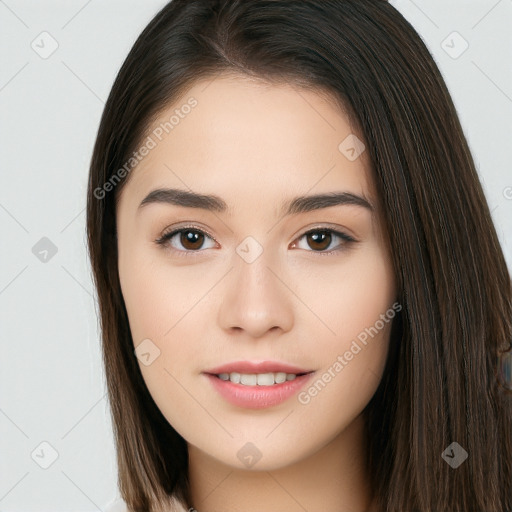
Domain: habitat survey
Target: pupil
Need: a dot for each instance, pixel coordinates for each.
(190, 237)
(318, 238)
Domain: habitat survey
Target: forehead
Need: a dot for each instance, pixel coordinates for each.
(230, 133)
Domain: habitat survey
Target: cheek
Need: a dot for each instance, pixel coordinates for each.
(160, 301)
(166, 305)
(356, 305)
(157, 295)
(348, 296)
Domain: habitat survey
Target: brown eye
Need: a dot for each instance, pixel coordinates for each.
(185, 240)
(191, 240)
(319, 240)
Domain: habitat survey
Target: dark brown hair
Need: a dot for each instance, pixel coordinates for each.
(440, 383)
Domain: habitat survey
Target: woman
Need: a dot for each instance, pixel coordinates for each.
(303, 300)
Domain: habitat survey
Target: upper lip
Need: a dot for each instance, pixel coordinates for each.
(251, 367)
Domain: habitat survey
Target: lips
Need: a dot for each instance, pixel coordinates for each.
(239, 382)
(253, 367)
(257, 397)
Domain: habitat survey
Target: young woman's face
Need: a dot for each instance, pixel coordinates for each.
(255, 276)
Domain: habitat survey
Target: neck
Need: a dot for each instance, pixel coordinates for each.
(332, 478)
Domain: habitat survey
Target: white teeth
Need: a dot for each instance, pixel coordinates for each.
(248, 379)
(259, 379)
(265, 379)
(280, 377)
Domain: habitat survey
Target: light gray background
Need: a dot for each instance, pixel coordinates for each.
(52, 385)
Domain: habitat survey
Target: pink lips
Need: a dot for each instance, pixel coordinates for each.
(257, 397)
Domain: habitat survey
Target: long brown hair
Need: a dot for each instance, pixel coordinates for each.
(440, 384)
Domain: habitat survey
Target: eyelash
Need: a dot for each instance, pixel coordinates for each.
(166, 237)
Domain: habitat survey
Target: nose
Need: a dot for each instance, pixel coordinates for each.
(256, 301)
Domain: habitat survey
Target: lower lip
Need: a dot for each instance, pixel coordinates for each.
(258, 397)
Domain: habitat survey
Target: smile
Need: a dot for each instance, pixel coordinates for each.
(258, 379)
(256, 391)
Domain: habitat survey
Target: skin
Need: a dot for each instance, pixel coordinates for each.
(256, 145)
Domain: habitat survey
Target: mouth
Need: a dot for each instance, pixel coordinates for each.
(265, 373)
(257, 385)
(259, 379)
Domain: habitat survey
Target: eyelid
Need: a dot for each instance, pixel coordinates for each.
(334, 228)
(177, 229)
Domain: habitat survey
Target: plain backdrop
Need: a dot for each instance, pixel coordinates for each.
(59, 60)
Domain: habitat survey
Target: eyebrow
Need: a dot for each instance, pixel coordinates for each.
(213, 203)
